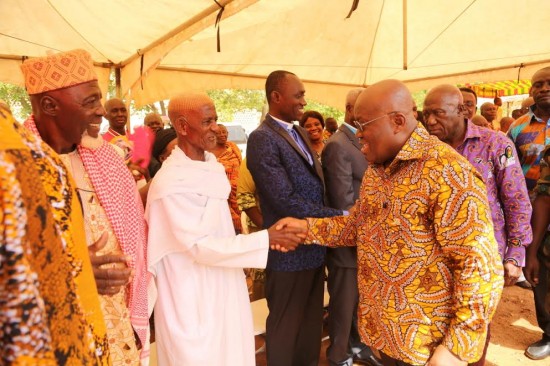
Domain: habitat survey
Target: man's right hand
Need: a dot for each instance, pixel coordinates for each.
(109, 281)
(285, 238)
(532, 267)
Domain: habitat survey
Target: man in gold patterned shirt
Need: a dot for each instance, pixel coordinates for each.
(429, 273)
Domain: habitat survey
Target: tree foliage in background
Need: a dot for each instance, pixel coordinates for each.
(227, 101)
(17, 99)
(325, 110)
(230, 101)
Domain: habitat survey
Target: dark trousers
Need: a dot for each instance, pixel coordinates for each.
(295, 322)
(541, 293)
(342, 319)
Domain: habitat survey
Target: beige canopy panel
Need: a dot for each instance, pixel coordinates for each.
(160, 48)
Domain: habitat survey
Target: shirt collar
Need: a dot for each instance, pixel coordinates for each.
(413, 148)
(532, 115)
(286, 125)
(472, 131)
(351, 128)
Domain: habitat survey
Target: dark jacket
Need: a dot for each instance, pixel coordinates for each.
(287, 186)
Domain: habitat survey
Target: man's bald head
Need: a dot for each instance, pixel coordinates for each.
(489, 111)
(505, 123)
(187, 104)
(194, 118)
(444, 113)
(451, 94)
(154, 122)
(385, 120)
(386, 96)
(526, 103)
(351, 98)
(116, 114)
(481, 122)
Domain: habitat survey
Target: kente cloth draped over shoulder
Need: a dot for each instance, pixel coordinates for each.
(60, 189)
(39, 305)
(202, 313)
(117, 193)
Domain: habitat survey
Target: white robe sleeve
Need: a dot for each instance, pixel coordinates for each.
(202, 228)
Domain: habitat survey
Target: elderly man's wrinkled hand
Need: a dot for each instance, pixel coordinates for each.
(284, 237)
(109, 280)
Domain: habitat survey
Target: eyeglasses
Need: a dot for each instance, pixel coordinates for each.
(361, 125)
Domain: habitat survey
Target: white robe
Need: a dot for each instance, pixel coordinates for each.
(202, 311)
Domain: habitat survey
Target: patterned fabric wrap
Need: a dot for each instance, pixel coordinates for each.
(429, 272)
(117, 193)
(42, 321)
(231, 160)
(543, 184)
(57, 71)
(495, 158)
(67, 212)
(530, 134)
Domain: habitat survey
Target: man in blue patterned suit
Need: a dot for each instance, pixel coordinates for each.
(289, 180)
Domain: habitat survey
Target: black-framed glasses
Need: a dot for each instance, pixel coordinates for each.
(361, 125)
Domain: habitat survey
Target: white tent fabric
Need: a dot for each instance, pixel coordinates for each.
(160, 48)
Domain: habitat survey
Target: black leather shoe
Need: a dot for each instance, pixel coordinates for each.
(538, 350)
(524, 284)
(367, 358)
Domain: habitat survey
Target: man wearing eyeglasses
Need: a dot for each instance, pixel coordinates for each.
(470, 102)
(429, 274)
(495, 157)
(344, 166)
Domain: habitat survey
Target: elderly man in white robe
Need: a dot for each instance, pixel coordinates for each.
(202, 309)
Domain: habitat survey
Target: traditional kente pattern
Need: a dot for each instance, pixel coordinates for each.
(429, 272)
(42, 321)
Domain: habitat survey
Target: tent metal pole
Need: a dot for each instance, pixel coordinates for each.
(405, 39)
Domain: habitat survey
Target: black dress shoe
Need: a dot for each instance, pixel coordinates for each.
(538, 350)
(367, 358)
(524, 284)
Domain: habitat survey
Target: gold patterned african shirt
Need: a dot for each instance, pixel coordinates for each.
(43, 316)
(429, 271)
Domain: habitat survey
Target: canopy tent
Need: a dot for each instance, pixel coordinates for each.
(501, 88)
(159, 48)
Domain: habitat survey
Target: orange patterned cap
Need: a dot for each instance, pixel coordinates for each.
(58, 71)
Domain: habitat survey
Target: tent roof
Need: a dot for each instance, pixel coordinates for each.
(169, 46)
(503, 88)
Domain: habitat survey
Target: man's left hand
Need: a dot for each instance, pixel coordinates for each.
(138, 172)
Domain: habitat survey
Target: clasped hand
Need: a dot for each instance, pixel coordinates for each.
(109, 281)
(286, 234)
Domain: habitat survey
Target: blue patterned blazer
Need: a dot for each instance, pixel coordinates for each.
(287, 186)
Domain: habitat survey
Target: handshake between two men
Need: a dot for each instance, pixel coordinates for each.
(287, 233)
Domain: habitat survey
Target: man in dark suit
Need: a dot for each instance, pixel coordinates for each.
(343, 166)
(289, 180)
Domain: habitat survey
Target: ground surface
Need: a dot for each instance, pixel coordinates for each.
(514, 327)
